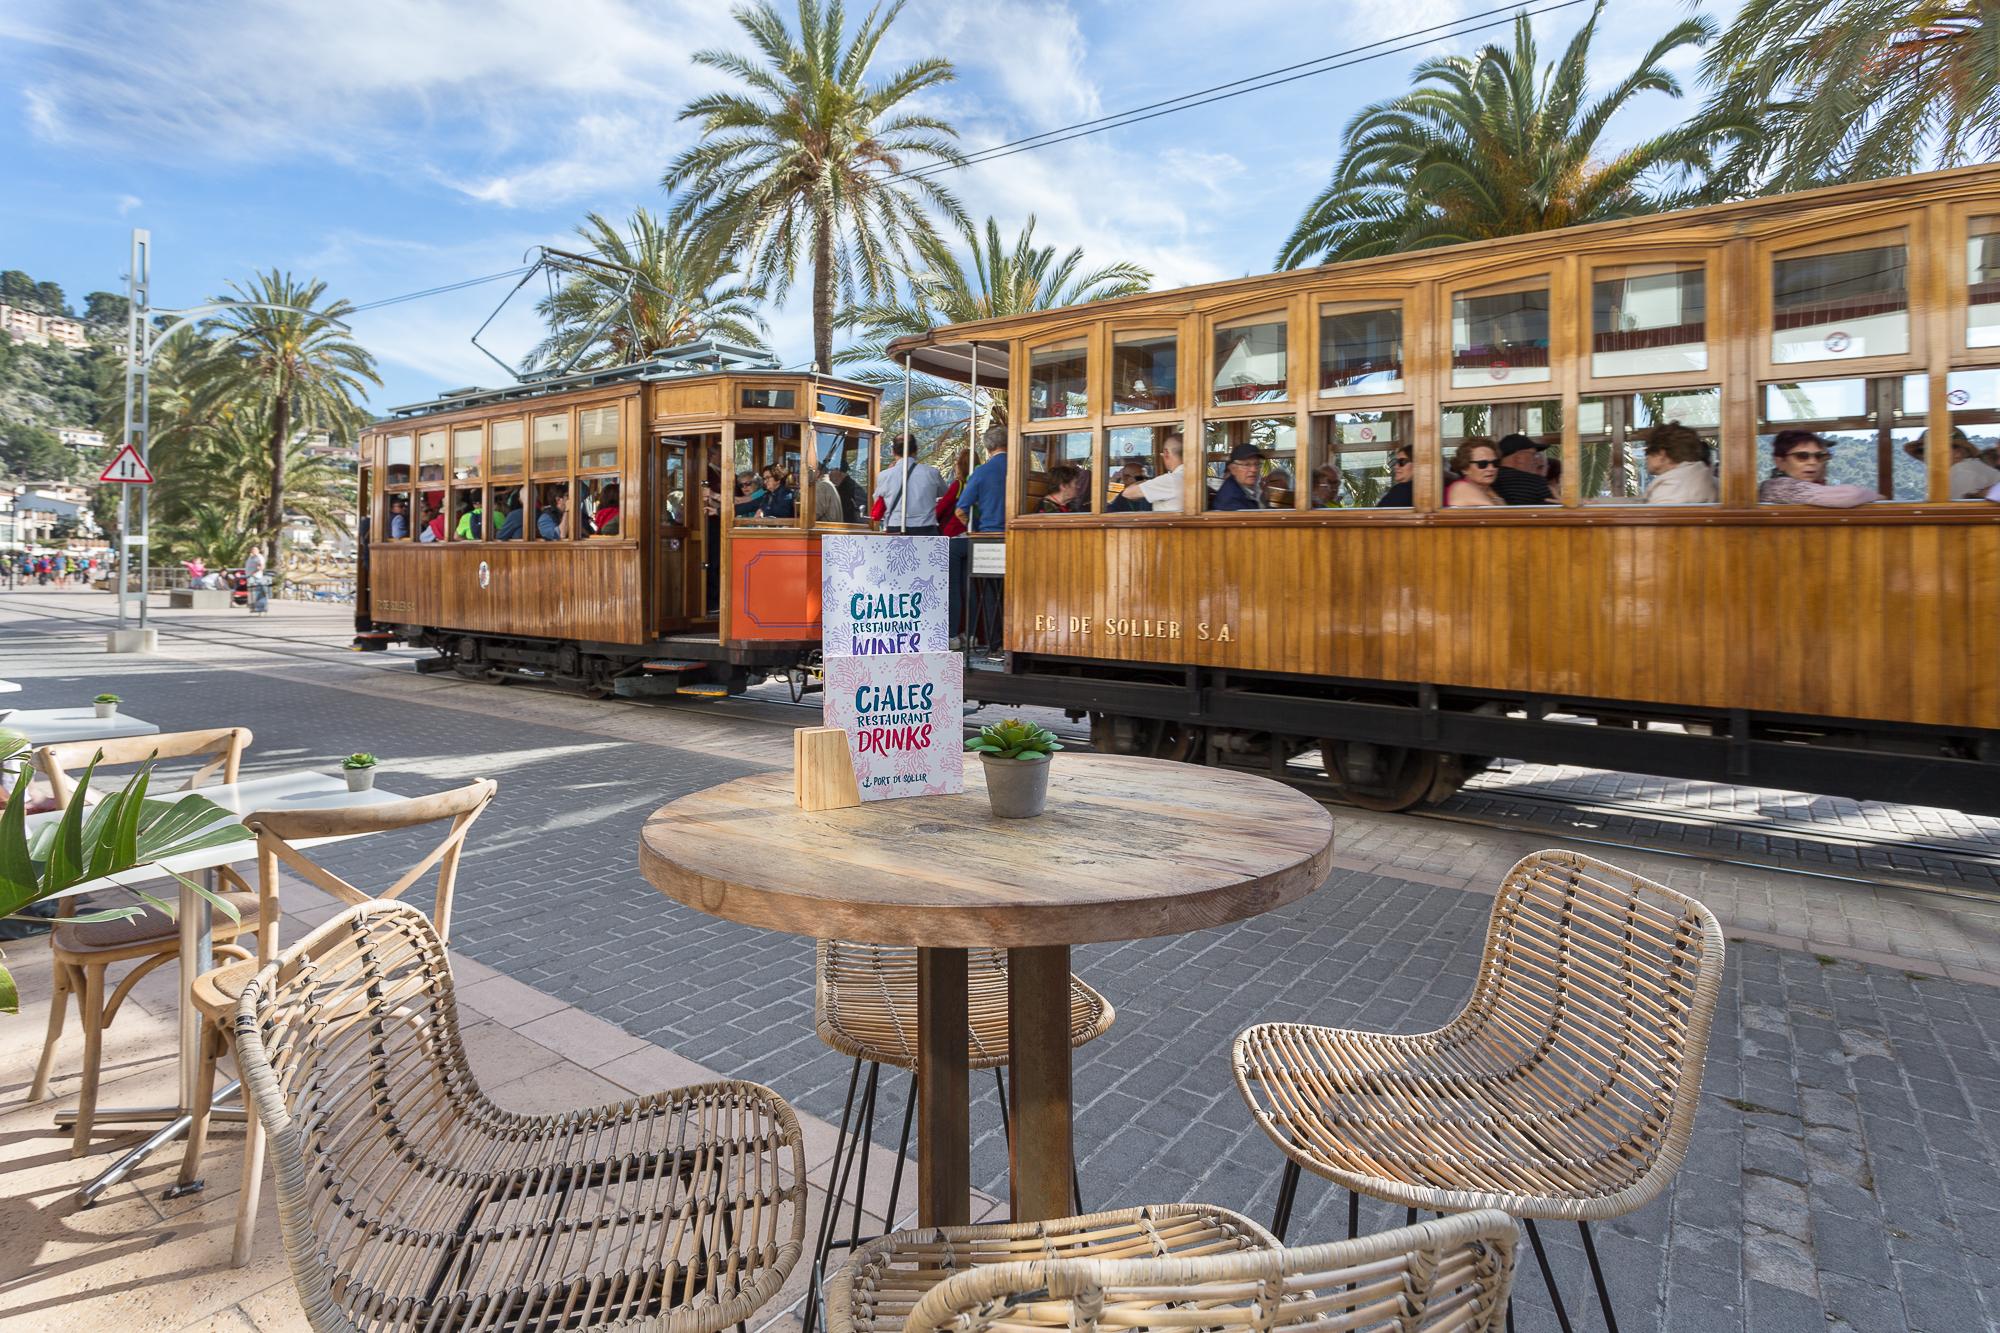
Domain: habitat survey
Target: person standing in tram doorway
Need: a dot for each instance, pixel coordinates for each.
(260, 587)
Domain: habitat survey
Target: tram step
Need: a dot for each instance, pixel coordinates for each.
(704, 691)
(671, 664)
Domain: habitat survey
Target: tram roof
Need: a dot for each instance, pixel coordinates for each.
(946, 351)
(689, 361)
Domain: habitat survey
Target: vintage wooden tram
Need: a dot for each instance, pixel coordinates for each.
(1849, 651)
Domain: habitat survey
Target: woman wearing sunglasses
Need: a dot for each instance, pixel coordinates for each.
(1801, 457)
(1477, 463)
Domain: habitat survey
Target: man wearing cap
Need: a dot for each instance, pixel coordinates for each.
(1522, 479)
(1239, 488)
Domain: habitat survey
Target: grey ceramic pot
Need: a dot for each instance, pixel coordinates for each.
(1019, 789)
(359, 779)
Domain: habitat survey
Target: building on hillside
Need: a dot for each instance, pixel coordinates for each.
(65, 332)
(80, 438)
(41, 508)
(322, 445)
(10, 533)
(25, 326)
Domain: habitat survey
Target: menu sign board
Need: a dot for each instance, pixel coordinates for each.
(891, 684)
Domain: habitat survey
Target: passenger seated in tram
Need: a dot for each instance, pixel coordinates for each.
(1801, 458)
(749, 495)
(1239, 489)
(471, 519)
(1523, 475)
(1066, 484)
(1326, 487)
(1677, 458)
(1971, 475)
(433, 529)
(1401, 493)
(399, 517)
(549, 522)
(780, 500)
(1166, 492)
(515, 520)
(1277, 489)
(1131, 498)
(605, 520)
(826, 497)
(1475, 461)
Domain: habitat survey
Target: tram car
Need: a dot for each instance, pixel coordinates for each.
(1227, 533)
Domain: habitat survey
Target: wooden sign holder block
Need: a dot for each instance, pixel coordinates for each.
(823, 770)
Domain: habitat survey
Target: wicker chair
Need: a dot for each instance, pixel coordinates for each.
(282, 839)
(410, 1201)
(83, 952)
(865, 1006)
(1175, 1266)
(1565, 1089)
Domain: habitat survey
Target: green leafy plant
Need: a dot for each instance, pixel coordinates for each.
(109, 699)
(1014, 739)
(100, 840)
(359, 759)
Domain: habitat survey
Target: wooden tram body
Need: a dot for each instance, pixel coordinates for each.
(1851, 651)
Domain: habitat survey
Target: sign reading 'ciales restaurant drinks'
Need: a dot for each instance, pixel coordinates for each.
(890, 683)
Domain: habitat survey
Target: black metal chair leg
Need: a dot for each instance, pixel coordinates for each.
(1288, 1187)
(865, 1133)
(823, 1243)
(1510, 1313)
(1597, 1276)
(902, 1152)
(1409, 1217)
(1353, 1215)
(1006, 1130)
(1075, 1185)
(1548, 1275)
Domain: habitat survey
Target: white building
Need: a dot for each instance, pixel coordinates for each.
(25, 326)
(80, 437)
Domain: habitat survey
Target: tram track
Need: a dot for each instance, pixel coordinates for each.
(1579, 821)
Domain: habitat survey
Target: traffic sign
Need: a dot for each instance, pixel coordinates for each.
(127, 468)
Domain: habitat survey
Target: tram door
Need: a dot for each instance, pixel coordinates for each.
(688, 536)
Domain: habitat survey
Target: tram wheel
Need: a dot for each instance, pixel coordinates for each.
(1381, 777)
(1154, 738)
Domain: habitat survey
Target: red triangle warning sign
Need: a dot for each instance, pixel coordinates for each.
(127, 467)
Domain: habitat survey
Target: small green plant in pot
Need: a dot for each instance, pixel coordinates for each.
(1015, 755)
(360, 770)
(107, 705)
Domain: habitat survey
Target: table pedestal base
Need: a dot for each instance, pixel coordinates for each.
(1041, 1151)
(944, 1134)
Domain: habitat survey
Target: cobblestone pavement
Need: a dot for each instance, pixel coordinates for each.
(1846, 1166)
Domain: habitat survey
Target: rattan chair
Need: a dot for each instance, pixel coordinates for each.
(1175, 1266)
(83, 952)
(283, 837)
(409, 1201)
(865, 1006)
(1565, 1089)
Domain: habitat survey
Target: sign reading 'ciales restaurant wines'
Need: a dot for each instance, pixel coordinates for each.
(891, 684)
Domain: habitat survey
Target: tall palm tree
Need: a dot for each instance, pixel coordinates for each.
(219, 470)
(1495, 145)
(1861, 89)
(682, 292)
(1001, 279)
(810, 159)
(290, 369)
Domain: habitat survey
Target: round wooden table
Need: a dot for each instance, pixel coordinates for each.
(1129, 849)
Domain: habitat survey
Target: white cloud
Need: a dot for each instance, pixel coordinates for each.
(128, 202)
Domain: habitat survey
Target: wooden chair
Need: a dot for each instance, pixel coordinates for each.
(83, 952)
(865, 1006)
(1565, 1089)
(280, 834)
(1176, 1266)
(409, 1201)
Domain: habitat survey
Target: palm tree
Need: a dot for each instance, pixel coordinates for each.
(812, 157)
(1002, 279)
(221, 533)
(290, 369)
(219, 471)
(680, 294)
(1494, 145)
(1861, 89)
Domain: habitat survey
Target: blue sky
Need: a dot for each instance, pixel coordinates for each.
(392, 145)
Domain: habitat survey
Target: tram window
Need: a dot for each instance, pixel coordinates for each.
(1134, 455)
(431, 525)
(469, 520)
(842, 456)
(552, 520)
(841, 404)
(397, 455)
(1974, 399)
(1649, 320)
(465, 448)
(673, 482)
(1360, 350)
(597, 501)
(1500, 337)
(1266, 482)
(761, 446)
(1834, 307)
(1540, 419)
(1816, 401)
(597, 438)
(1145, 370)
(1354, 458)
(430, 456)
(552, 443)
(1615, 432)
(505, 449)
(508, 520)
(1057, 377)
(769, 400)
(1982, 283)
(1059, 480)
(1865, 428)
(1250, 365)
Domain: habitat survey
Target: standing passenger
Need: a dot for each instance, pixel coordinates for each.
(1523, 475)
(1475, 461)
(1678, 461)
(1802, 457)
(982, 507)
(909, 492)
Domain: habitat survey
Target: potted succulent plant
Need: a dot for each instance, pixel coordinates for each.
(107, 705)
(1016, 757)
(359, 769)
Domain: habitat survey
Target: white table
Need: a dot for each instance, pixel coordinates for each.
(55, 726)
(277, 791)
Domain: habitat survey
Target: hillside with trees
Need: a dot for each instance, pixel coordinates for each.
(43, 389)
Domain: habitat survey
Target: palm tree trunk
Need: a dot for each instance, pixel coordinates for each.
(823, 291)
(274, 507)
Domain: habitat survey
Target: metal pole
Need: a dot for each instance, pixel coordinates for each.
(902, 496)
(135, 288)
(145, 457)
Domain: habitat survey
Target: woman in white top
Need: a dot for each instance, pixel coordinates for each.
(1678, 461)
